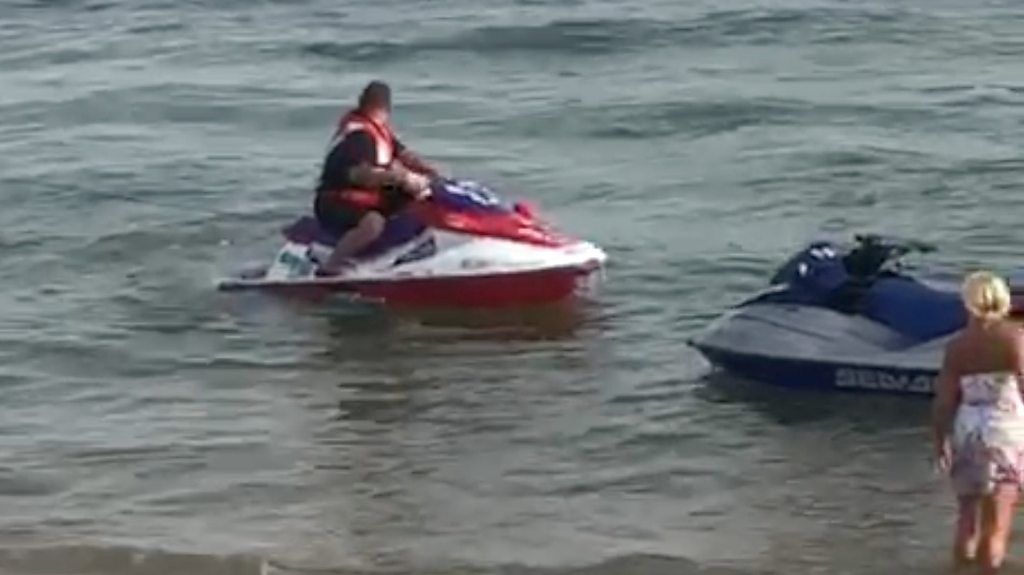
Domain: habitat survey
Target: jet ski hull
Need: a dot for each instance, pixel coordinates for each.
(465, 248)
(830, 352)
(497, 290)
(835, 321)
(823, 376)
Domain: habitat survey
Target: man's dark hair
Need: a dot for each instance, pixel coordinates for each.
(376, 94)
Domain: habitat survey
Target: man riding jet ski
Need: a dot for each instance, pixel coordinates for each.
(841, 318)
(365, 174)
(388, 228)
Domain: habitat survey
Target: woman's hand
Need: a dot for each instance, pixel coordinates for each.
(944, 455)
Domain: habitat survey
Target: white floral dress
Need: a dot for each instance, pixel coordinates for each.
(988, 434)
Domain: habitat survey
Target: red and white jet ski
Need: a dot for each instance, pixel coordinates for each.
(460, 246)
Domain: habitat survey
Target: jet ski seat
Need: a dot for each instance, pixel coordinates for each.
(858, 284)
(912, 308)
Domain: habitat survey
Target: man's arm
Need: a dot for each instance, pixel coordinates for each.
(360, 149)
(369, 176)
(413, 161)
(417, 164)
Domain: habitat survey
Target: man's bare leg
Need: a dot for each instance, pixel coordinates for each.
(368, 229)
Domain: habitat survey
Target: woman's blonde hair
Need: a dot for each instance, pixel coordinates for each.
(986, 296)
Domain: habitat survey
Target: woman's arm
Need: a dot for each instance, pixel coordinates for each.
(1018, 349)
(947, 398)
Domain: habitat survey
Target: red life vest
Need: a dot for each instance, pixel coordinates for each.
(383, 143)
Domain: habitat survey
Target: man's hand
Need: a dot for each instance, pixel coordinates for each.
(414, 162)
(415, 184)
(410, 182)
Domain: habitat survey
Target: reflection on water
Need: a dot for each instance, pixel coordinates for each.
(554, 321)
(868, 414)
(382, 358)
(349, 323)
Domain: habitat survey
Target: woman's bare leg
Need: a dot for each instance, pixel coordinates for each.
(965, 542)
(996, 522)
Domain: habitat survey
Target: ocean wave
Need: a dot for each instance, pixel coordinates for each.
(592, 37)
(368, 51)
(265, 108)
(608, 36)
(774, 25)
(584, 37)
(698, 118)
(86, 559)
(126, 560)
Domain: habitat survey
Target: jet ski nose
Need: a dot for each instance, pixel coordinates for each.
(525, 209)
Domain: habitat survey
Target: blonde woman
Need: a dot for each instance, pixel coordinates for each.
(978, 422)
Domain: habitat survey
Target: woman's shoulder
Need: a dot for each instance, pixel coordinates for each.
(1004, 329)
(965, 343)
(1005, 333)
(1011, 328)
(957, 341)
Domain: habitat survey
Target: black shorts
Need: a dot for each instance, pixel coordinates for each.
(339, 216)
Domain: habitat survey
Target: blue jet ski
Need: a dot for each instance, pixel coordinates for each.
(841, 318)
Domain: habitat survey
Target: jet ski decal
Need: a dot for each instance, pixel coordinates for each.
(876, 379)
(421, 251)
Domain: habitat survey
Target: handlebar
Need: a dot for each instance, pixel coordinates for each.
(874, 253)
(895, 244)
